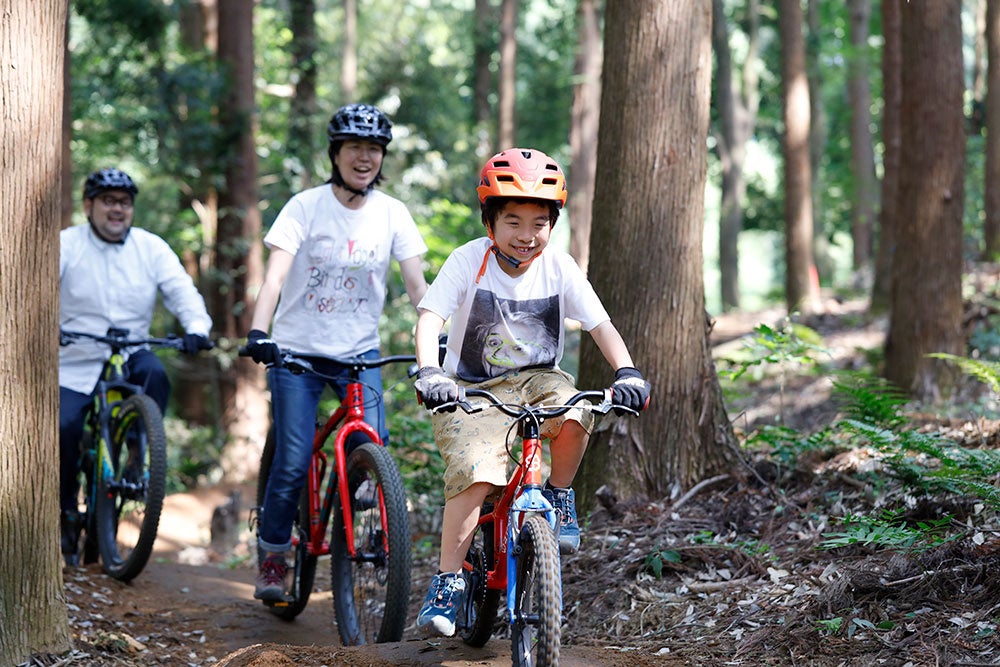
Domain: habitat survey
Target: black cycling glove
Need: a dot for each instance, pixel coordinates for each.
(262, 349)
(194, 343)
(630, 390)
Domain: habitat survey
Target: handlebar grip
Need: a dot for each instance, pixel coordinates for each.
(242, 351)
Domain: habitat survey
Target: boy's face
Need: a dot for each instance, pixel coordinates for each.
(521, 231)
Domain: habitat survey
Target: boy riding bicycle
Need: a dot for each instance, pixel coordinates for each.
(507, 301)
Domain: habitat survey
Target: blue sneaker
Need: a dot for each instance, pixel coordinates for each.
(564, 503)
(446, 595)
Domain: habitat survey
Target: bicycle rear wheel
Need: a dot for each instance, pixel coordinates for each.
(478, 616)
(371, 592)
(303, 568)
(129, 502)
(535, 629)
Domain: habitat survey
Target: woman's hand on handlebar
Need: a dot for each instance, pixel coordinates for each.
(262, 349)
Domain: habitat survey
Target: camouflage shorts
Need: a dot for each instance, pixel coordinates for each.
(474, 447)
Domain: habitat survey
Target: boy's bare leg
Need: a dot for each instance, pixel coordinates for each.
(461, 513)
(566, 450)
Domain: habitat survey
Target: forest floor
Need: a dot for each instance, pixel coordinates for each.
(729, 573)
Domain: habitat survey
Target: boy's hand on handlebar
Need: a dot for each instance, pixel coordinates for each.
(194, 343)
(435, 388)
(630, 389)
(262, 349)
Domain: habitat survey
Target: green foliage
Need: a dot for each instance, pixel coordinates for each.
(871, 400)
(657, 559)
(787, 444)
(791, 344)
(987, 372)
(889, 530)
(193, 455)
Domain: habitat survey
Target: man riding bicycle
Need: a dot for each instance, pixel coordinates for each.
(110, 275)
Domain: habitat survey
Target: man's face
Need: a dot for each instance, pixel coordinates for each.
(359, 162)
(111, 213)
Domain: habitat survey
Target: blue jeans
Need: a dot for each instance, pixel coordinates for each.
(294, 402)
(142, 368)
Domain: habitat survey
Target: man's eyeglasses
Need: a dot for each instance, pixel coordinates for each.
(110, 201)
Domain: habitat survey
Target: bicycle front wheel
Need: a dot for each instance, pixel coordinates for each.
(130, 500)
(535, 628)
(303, 570)
(371, 591)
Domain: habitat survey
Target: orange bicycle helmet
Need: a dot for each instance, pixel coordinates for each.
(524, 173)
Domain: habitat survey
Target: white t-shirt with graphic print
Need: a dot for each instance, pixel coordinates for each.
(333, 296)
(506, 323)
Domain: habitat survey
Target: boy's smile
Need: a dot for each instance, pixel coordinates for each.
(521, 231)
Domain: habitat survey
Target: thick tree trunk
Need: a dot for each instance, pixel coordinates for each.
(239, 255)
(508, 74)
(801, 278)
(349, 57)
(926, 310)
(583, 129)
(301, 139)
(483, 50)
(992, 186)
(822, 255)
(864, 202)
(648, 225)
(32, 607)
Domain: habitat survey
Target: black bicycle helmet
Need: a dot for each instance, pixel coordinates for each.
(360, 121)
(109, 179)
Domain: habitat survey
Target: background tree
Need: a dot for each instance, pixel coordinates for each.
(801, 278)
(926, 309)
(31, 104)
(349, 58)
(991, 202)
(583, 128)
(239, 252)
(304, 110)
(648, 225)
(864, 202)
(507, 94)
(891, 95)
(737, 112)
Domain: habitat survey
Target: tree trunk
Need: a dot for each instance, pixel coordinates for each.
(68, 200)
(648, 226)
(32, 606)
(801, 278)
(863, 205)
(992, 186)
(349, 59)
(818, 133)
(737, 118)
(891, 95)
(583, 129)
(508, 74)
(301, 140)
(239, 252)
(483, 51)
(926, 310)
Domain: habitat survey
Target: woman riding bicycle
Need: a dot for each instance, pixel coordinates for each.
(110, 275)
(330, 249)
(492, 289)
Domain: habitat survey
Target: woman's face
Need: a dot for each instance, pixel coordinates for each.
(359, 162)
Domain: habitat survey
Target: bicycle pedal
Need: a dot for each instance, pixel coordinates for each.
(284, 602)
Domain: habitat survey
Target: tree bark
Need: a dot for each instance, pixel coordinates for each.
(891, 95)
(864, 202)
(801, 278)
(239, 252)
(507, 106)
(648, 226)
(926, 310)
(483, 51)
(349, 58)
(301, 140)
(583, 129)
(818, 133)
(991, 233)
(32, 606)
(737, 118)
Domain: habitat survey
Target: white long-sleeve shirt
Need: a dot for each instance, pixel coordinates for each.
(104, 285)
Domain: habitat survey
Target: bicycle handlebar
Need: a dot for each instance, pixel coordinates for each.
(540, 412)
(299, 362)
(118, 339)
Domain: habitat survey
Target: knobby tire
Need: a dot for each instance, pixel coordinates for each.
(129, 504)
(478, 616)
(303, 568)
(371, 593)
(537, 597)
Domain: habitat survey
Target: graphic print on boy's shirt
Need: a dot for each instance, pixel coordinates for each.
(504, 335)
(344, 286)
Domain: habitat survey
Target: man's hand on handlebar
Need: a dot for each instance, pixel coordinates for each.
(435, 388)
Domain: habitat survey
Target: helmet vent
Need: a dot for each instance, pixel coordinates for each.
(501, 163)
(504, 178)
